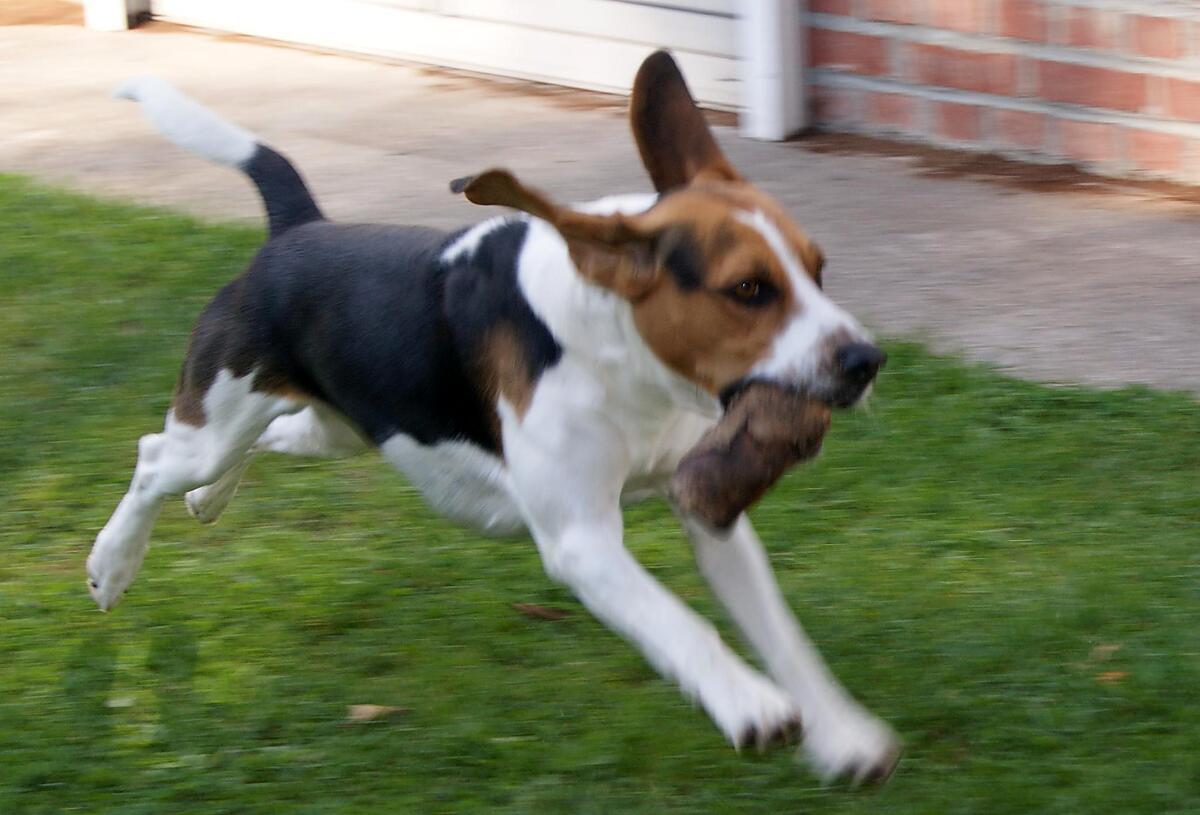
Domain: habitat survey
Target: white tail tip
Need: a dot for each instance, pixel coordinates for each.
(189, 124)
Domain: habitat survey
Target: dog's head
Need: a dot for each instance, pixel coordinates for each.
(725, 288)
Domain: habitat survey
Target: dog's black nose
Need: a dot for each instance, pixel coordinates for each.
(859, 362)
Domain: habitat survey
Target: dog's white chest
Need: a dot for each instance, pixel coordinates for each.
(460, 481)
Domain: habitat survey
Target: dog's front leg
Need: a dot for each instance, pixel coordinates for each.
(841, 738)
(570, 498)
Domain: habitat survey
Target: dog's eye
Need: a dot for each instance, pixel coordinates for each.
(748, 289)
(752, 291)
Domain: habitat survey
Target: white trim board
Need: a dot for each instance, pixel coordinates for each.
(649, 23)
(605, 61)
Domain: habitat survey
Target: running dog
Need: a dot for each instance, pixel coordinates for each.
(530, 374)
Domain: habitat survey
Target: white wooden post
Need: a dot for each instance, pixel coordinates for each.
(111, 15)
(772, 45)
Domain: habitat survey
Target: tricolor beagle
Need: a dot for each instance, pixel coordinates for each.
(529, 374)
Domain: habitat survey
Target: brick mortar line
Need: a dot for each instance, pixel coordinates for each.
(984, 145)
(995, 44)
(1146, 8)
(836, 79)
(1051, 153)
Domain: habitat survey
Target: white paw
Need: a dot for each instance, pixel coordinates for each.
(111, 568)
(206, 504)
(753, 712)
(851, 745)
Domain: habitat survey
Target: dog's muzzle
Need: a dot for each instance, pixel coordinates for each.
(843, 380)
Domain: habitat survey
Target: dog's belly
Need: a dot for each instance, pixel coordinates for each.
(469, 485)
(460, 481)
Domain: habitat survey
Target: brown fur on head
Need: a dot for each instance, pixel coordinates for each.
(711, 287)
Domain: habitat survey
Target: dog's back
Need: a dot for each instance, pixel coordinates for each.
(353, 315)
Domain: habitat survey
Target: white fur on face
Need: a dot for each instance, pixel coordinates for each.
(798, 354)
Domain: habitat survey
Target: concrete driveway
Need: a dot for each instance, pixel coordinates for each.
(1095, 286)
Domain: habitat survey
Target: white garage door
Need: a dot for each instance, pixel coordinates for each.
(594, 44)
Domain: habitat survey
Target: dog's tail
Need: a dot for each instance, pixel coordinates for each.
(189, 124)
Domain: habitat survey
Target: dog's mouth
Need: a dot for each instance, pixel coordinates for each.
(840, 397)
(765, 430)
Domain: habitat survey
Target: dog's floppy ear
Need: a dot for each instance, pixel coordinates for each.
(614, 251)
(671, 134)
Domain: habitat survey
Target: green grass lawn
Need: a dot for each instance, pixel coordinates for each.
(1008, 573)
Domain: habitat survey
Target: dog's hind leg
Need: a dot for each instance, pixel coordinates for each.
(211, 436)
(316, 431)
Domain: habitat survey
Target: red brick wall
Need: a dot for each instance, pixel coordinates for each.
(1113, 85)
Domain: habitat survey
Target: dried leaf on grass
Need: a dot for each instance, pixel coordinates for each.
(1111, 677)
(1103, 652)
(357, 714)
(540, 612)
(1098, 656)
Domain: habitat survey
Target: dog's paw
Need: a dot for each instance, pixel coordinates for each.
(110, 570)
(755, 713)
(852, 746)
(206, 504)
(771, 732)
